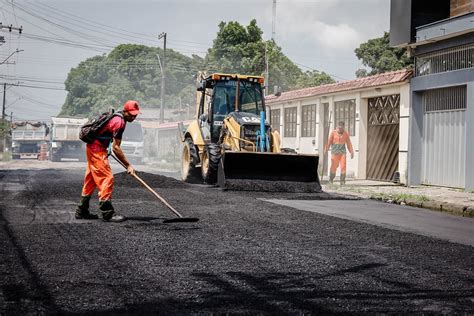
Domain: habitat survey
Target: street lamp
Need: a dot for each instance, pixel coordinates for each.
(16, 51)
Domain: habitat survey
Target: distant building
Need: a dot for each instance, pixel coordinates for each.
(440, 36)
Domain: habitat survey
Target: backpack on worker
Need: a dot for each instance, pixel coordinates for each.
(90, 131)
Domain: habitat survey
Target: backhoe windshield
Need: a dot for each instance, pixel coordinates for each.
(250, 97)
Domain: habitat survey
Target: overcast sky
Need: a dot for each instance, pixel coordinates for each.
(57, 35)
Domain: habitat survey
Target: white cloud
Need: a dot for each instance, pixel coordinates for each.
(336, 37)
(312, 23)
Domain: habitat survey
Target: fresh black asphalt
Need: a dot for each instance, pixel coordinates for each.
(244, 256)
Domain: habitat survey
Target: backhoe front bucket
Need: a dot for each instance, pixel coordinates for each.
(272, 172)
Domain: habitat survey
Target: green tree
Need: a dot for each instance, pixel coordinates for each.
(314, 78)
(241, 49)
(380, 57)
(133, 71)
(128, 72)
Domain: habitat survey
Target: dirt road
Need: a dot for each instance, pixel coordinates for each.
(244, 256)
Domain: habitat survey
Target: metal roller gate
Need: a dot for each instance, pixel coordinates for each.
(444, 137)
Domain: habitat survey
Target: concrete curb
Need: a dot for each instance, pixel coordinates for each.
(439, 206)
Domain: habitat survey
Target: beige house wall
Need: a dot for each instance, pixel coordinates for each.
(356, 167)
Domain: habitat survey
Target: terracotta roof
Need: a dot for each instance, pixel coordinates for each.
(359, 83)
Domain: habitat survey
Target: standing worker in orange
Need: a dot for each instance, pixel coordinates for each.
(98, 173)
(338, 139)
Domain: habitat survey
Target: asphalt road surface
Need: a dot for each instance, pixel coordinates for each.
(244, 256)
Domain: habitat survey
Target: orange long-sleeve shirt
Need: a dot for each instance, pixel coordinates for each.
(338, 143)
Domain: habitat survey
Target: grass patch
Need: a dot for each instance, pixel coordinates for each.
(399, 197)
(5, 156)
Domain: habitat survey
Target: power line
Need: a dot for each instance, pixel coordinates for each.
(45, 80)
(64, 28)
(39, 87)
(31, 100)
(37, 26)
(90, 22)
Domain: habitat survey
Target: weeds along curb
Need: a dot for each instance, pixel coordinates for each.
(419, 201)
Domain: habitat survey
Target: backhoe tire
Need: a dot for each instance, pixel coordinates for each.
(210, 163)
(189, 172)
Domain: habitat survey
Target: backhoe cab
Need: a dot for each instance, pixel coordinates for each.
(231, 142)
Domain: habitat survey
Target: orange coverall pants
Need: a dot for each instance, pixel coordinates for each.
(98, 175)
(336, 160)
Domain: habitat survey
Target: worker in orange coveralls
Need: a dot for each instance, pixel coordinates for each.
(98, 173)
(338, 139)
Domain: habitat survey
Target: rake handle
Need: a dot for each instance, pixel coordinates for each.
(151, 190)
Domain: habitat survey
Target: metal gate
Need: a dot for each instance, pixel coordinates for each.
(326, 130)
(382, 137)
(444, 137)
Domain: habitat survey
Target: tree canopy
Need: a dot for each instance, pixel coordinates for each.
(381, 57)
(127, 72)
(241, 49)
(133, 71)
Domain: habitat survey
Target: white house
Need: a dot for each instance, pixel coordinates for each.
(375, 110)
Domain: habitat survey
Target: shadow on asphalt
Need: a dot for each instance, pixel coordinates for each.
(286, 293)
(145, 218)
(31, 289)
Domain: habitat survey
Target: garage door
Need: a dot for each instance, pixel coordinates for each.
(444, 137)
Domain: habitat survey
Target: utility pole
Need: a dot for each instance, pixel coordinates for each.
(274, 18)
(163, 78)
(267, 75)
(4, 99)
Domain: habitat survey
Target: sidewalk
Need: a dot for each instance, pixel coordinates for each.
(442, 199)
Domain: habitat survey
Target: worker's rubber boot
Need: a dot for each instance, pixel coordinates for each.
(82, 210)
(108, 212)
(343, 178)
(331, 177)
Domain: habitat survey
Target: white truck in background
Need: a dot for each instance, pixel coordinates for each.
(65, 144)
(132, 142)
(27, 138)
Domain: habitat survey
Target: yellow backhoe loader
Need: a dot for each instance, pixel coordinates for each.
(231, 143)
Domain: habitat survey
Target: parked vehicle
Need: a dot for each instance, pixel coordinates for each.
(65, 142)
(132, 142)
(27, 138)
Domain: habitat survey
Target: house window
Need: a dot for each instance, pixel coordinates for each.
(308, 120)
(275, 120)
(290, 122)
(345, 111)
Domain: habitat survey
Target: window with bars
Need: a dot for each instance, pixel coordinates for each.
(445, 99)
(290, 122)
(308, 120)
(449, 59)
(345, 111)
(275, 120)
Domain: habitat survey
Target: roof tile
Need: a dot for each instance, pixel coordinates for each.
(359, 83)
